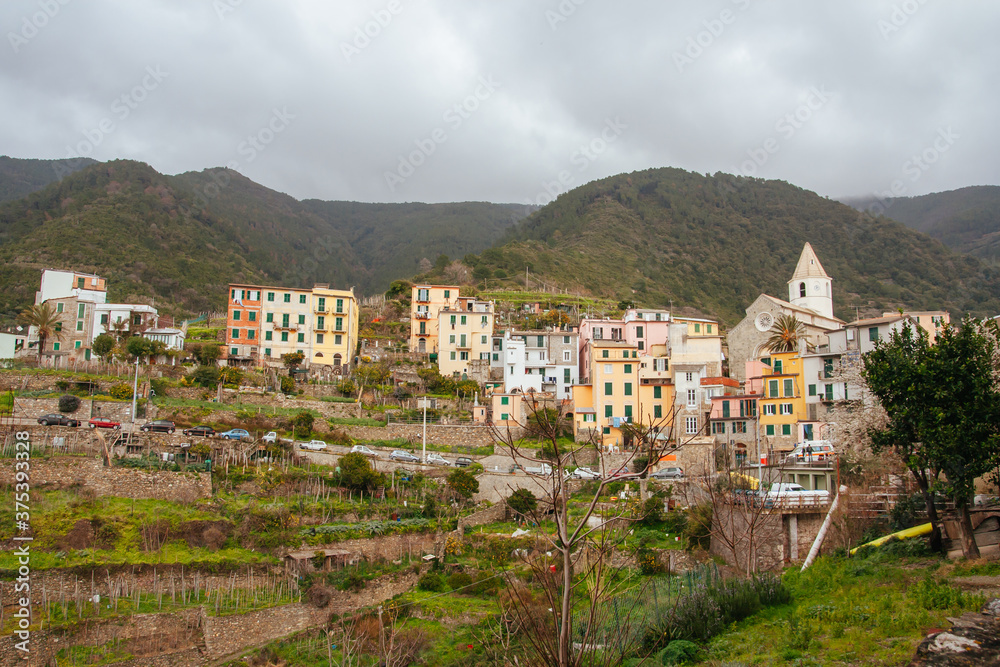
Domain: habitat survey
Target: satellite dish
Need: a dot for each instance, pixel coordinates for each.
(763, 322)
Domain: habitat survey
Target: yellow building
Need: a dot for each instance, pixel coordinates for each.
(286, 325)
(334, 326)
(617, 394)
(465, 333)
(782, 408)
(425, 304)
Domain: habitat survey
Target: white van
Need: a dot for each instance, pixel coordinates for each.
(794, 495)
(811, 451)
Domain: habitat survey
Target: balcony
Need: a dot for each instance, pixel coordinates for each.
(322, 327)
(286, 327)
(422, 315)
(321, 310)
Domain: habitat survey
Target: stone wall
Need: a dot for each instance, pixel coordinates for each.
(497, 512)
(32, 408)
(90, 473)
(388, 547)
(778, 537)
(225, 635)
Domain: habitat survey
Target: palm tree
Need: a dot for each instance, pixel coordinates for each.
(785, 334)
(46, 322)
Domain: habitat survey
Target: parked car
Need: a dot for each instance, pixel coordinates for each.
(315, 445)
(438, 460)
(361, 449)
(104, 422)
(403, 455)
(792, 495)
(159, 426)
(540, 469)
(270, 437)
(463, 462)
(236, 434)
(811, 451)
(205, 431)
(584, 473)
(667, 473)
(57, 420)
(624, 473)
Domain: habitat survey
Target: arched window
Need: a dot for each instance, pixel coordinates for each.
(337, 359)
(422, 345)
(802, 289)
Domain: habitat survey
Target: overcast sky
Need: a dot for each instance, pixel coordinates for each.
(511, 101)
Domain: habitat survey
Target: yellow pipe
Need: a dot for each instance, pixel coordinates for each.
(916, 531)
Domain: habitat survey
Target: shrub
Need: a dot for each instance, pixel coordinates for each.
(68, 403)
(459, 580)
(432, 582)
(205, 376)
(356, 472)
(463, 483)
(303, 423)
(648, 563)
(287, 384)
(62, 385)
(651, 511)
(121, 391)
(678, 652)
(698, 530)
(522, 502)
(159, 386)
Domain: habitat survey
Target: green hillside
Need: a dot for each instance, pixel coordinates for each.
(19, 178)
(181, 239)
(714, 243)
(966, 220)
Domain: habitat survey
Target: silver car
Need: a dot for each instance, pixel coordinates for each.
(667, 473)
(315, 445)
(361, 449)
(438, 460)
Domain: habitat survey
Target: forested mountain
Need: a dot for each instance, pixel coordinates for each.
(181, 239)
(966, 220)
(715, 243)
(19, 178)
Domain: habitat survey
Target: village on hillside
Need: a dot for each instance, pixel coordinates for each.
(260, 482)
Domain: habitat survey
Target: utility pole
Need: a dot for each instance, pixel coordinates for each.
(423, 456)
(135, 389)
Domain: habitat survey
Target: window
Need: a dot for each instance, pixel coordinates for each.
(697, 328)
(59, 307)
(606, 430)
(137, 320)
(77, 344)
(463, 320)
(252, 316)
(340, 305)
(638, 332)
(789, 387)
(267, 350)
(302, 319)
(628, 410)
(769, 429)
(270, 297)
(768, 409)
(284, 336)
(484, 321)
(236, 333)
(689, 377)
(628, 368)
(300, 338)
(657, 411)
(641, 345)
(785, 409)
(725, 409)
(718, 428)
(625, 354)
(269, 317)
(598, 333)
(423, 327)
(604, 354)
(58, 326)
(452, 320)
(79, 326)
(285, 320)
(829, 392)
(233, 295)
(268, 335)
(104, 318)
(250, 334)
(540, 341)
(589, 418)
(777, 366)
(461, 341)
(82, 310)
(319, 339)
(234, 351)
(321, 303)
(828, 368)
(504, 416)
(565, 340)
(708, 328)
(802, 289)
(464, 356)
(690, 425)
(236, 316)
(567, 355)
(739, 427)
(447, 294)
(287, 298)
(423, 295)
(451, 339)
(321, 322)
(772, 388)
(567, 377)
(786, 429)
(302, 298)
(657, 391)
(337, 339)
(873, 334)
(692, 398)
(339, 324)
(505, 400)
(609, 389)
(609, 369)
(812, 390)
(79, 283)
(55, 347)
(628, 388)
(608, 410)
(452, 356)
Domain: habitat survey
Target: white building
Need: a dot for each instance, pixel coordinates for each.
(71, 284)
(541, 361)
(126, 315)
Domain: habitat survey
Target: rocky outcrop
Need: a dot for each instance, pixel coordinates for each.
(974, 639)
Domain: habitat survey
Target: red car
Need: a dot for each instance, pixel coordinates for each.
(104, 422)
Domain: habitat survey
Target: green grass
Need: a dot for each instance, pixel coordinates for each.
(172, 402)
(338, 399)
(354, 421)
(847, 612)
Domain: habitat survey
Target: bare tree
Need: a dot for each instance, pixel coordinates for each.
(578, 574)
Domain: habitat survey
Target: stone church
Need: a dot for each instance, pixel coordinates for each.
(810, 301)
